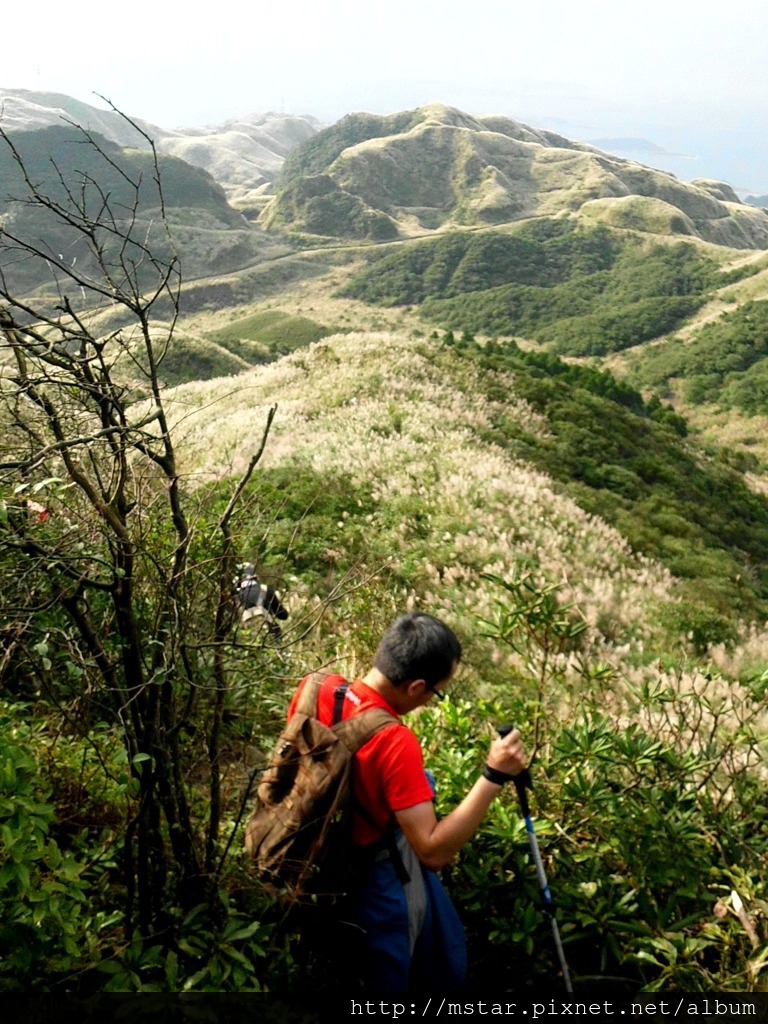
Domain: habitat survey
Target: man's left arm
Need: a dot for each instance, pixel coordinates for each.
(436, 842)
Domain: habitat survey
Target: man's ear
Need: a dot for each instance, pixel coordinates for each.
(417, 688)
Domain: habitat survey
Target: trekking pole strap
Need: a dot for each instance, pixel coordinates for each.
(496, 777)
(522, 782)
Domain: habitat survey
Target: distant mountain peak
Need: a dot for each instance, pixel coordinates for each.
(24, 110)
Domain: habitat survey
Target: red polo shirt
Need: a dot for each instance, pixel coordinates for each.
(389, 768)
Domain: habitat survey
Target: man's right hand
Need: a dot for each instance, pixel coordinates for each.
(506, 753)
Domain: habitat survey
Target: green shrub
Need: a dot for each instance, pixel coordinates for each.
(699, 624)
(47, 926)
(225, 954)
(648, 810)
(268, 334)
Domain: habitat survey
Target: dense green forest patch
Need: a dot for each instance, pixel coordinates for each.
(318, 206)
(540, 253)
(584, 291)
(724, 362)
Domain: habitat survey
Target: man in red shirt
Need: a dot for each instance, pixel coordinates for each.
(407, 925)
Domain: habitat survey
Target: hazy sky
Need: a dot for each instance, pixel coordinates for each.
(687, 74)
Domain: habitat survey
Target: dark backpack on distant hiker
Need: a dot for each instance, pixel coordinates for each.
(298, 833)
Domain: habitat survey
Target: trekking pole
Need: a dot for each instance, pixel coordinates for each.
(522, 782)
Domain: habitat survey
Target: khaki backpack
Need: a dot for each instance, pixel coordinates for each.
(298, 832)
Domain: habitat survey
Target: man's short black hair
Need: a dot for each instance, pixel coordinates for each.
(417, 646)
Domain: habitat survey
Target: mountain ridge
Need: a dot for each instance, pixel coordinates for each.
(243, 154)
(370, 179)
(370, 176)
(437, 167)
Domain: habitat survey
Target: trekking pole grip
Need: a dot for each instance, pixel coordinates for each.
(522, 780)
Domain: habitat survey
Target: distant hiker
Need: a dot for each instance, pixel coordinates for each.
(257, 600)
(37, 511)
(407, 929)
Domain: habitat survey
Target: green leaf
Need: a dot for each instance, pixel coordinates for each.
(240, 933)
(238, 956)
(22, 873)
(195, 979)
(643, 955)
(172, 969)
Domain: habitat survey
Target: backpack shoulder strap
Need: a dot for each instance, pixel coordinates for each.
(355, 731)
(338, 702)
(310, 692)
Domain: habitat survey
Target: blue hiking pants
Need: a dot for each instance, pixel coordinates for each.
(413, 938)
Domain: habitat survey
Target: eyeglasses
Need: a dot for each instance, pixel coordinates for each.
(438, 693)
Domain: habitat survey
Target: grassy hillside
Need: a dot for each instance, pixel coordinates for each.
(625, 460)
(435, 167)
(440, 464)
(30, 110)
(48, 149)
(319, 152)
(723, 362)
(267, 335)
(317, 206)
(244, 155)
